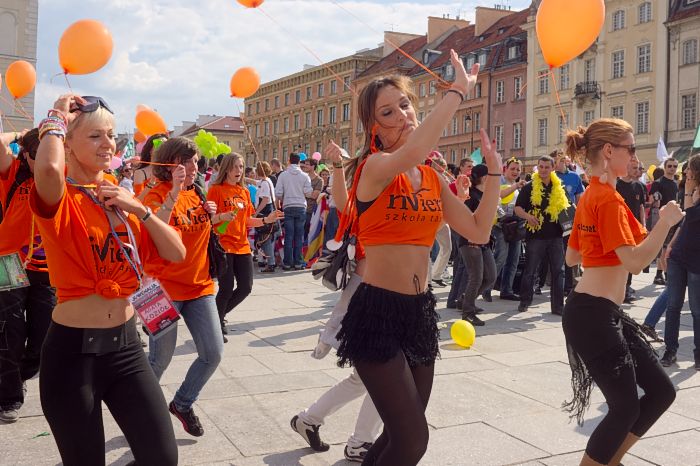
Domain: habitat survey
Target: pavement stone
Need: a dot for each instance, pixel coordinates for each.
(497, 403)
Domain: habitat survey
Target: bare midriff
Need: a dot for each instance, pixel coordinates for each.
(402, 268)
(93, 311)
(605, 282)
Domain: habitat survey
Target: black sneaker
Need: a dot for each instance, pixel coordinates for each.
(190, 422)
(510, 297)
(357, 454)
(309, 433)
(450, 305)
(659, 280)
(668, 359)
(487, 297)
(440, 283)
(651, 332)
(474, 320)
(268, 269)
(224, 330)
(10, 413)
(538, 290)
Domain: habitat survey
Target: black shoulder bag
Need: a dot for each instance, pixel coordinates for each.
(217, 254)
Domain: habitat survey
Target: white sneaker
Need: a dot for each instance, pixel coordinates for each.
(357, 454)
(309, 432)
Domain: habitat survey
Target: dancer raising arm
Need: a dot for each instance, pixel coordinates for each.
(92, 352)
(609, 242)
(390, 332)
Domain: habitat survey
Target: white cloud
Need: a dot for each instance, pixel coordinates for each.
(177, 55)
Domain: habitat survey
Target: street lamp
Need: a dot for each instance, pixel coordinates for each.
(468, 118)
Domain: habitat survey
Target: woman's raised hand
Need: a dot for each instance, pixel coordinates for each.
(67, 105)
(488, 152)
(464, 82)
(333, 152)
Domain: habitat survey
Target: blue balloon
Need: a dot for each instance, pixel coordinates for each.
(14, 147)
(302, 156)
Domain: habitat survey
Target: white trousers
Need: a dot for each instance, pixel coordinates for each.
(445, 242)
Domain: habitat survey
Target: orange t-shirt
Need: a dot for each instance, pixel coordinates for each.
(82, 255)
(401, 216)
(16, 227)
(229, 197)
(603, 222)
(189, 279)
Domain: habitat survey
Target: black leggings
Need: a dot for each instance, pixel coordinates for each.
(74, 384)
(604, 345)
(239, 273)
(400, 393)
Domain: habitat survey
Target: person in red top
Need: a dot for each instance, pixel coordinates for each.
(390, 332)
(235, 212)
(97, 237)
(177, 201)
(605, 345)
(19, 235)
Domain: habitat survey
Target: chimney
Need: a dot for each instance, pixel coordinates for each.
(439, 26)
(394, 39)
(487, 17)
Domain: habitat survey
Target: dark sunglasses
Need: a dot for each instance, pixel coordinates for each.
(92, 104)
(631, 148)
(671, 166)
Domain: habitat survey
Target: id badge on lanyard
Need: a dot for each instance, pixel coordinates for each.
(12, 273)
(155, 308)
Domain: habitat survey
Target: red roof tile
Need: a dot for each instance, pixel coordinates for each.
(396, 59)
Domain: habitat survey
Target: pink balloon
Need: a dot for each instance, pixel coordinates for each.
(115, 163)
(139, 147)
(316, 156)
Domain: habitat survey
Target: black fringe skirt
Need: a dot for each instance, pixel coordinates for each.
(600, 338)
(380, 323)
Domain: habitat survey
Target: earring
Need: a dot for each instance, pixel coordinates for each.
(373, 140)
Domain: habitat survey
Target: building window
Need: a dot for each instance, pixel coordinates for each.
(266, 128)
(618, 111)
(560, 129)
(482, 59)
(297, 96)
(618, 64)
(286, 124)
(264, 154)
(689, 110)
(308, 93)
(589, 70)
(257, 130)
(332, 118)
(690, 51)
(542, 131)
(618, 20)
(319, 117)
(346, 112)
(275, 127)
(277, 101)
(454, 126)
(642, 117)
(421, 90)
(471, 59)
(543, 81)
(564, 77)
(296, 122)
(517, 135)
(517, 87)
(513, 52)
(644, 58)
(346, 83)
(449, 71)
(500, 91)
(334, 87)
(285, 152)
(257, 107)
(432, 88)
(588, 117)
(645, 12)
(267, 104)
(286, 99)
(453, 155)
(307, 148)
(477, 91)
(274, 152)
(250, 109)
(344, 143)
(499, 137)
(320, 90)
(307, 120)
(476, 120)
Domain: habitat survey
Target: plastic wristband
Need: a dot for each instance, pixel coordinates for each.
(337, 164)
(459, 93)
(495, 174)
(147, 215)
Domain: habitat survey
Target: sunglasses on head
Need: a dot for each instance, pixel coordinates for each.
(91, 104)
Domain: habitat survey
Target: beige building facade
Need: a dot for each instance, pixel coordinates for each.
(623, 74)
(684, 76)
(18, 41)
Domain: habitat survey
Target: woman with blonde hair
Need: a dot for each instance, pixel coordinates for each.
(396, 205)
(605, 345)
(97, 239)
(235, 215)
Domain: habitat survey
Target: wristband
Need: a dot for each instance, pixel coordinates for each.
(461, 96)
(337, 164)
(495, 174)
(148, 214)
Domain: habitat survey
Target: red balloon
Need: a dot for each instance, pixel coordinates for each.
(251, 3)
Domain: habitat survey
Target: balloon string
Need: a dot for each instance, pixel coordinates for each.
(522, 89)
(397, 47)
(247, 131)
(22, 110)
(7, 119)
(65, 75)
(12, 104)
(159, 163)
(86, 186)
(556, 93)
(340, 79)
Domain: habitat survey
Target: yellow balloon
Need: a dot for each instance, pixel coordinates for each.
(650, 171)
(463, 333)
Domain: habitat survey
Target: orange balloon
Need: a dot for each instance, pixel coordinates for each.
(251, 3)
(139, 136)
(150, 122)
(85, 47)
(244, 82)
(565, 28)
(20, 78)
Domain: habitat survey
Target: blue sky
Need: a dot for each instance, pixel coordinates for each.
(177, 56)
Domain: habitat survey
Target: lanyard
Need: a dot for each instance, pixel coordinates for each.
(136, 263)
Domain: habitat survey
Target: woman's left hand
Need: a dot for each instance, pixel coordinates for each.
(464, 82)
(490, 155)
(114, 196)
(210, 207)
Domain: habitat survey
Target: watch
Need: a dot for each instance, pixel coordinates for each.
(148, 213)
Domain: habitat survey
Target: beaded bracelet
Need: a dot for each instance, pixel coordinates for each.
(57, 113)
(54, 126)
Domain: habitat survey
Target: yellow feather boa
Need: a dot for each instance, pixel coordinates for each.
(557, 199)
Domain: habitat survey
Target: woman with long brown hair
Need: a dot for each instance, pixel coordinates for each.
(396, 205)
(605, 345)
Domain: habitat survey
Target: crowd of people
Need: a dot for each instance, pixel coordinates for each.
(191, 232)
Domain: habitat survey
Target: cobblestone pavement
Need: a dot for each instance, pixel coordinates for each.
(497, 403)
